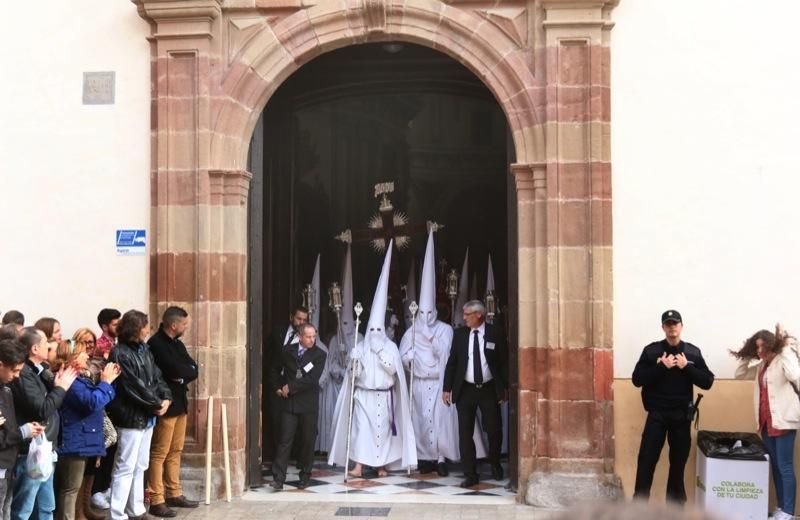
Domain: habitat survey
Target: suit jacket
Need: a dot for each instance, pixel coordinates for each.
(275, 341)
(304, 390)
(177, 368)
(496, 358)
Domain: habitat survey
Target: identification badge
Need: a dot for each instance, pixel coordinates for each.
(489, 345)
(299, 374)
(308, 367)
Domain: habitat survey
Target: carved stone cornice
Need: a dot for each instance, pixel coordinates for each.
(180, 18)
(579, 4)
(530, 177)
(578, 13)
(229, 186)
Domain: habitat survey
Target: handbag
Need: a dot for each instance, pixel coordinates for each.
(109, 432)
(39, 464)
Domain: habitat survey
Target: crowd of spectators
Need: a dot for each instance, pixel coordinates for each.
(82, 419)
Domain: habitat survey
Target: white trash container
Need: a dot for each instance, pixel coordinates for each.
(732, 485)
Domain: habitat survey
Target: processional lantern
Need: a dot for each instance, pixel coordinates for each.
(309, 295)
(491, 306)
(452, 293)
(335, 297)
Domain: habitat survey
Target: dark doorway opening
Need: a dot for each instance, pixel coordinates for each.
(349, 119)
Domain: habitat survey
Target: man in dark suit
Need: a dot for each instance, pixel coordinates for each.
(295, 380)
(476, 376)
(281, 335)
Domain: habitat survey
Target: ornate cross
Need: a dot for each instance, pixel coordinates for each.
(387, 224)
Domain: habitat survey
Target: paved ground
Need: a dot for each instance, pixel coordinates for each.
(327, 480)
(244, 509)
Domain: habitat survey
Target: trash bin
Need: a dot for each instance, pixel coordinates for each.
(732, 475)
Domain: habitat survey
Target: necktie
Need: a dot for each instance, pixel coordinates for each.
(476, 359)
(291, 337)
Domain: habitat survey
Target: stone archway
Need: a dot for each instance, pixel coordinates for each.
(214, 67)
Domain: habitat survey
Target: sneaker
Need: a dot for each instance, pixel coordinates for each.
(774, 512)
(781, 515)
(100, 501)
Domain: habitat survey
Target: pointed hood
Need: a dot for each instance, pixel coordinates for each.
(427, 289)
(463, 291)
(473, 290)
(314, 318)
(348, 315)
(490, 276)
(411, 284)
(377, 315)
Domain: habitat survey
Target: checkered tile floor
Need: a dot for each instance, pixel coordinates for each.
(329, 480)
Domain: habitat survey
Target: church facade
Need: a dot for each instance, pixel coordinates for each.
(701, 182)
(215, 66)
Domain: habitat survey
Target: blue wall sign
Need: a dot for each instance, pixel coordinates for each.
(131, 242)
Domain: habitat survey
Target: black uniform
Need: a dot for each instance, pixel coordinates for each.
(275, 344)
(299, 411)
(666, 395)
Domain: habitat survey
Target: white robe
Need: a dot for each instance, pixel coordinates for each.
(435, 424)
(330, 384)
(379, 383)
(325, 413)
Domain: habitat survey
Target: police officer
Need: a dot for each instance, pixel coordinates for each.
(667, 372)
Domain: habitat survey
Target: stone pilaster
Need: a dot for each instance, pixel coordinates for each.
(199, 226)
(566, 359)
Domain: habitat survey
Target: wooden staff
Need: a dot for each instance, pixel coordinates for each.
(226, 453)
(358, 310)
(209, 439)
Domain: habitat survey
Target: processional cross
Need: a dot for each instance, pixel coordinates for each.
(384, 226)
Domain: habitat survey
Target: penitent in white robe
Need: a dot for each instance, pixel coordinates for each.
(325, 413)
(330, 385)
(435, 423)
(380, 397)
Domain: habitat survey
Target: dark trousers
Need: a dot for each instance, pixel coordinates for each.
(471, 399)
(102, 474)
(304, 426)
(673, 426)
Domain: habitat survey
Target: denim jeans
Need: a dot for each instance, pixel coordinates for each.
(781, 461)
(33, 498)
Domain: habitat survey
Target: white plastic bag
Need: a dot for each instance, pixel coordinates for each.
(39, 464)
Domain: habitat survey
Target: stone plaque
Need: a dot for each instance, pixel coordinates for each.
(98, 88)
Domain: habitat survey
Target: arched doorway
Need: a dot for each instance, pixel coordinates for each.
(350, 119)
(215, 67)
